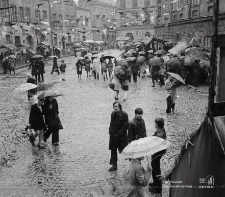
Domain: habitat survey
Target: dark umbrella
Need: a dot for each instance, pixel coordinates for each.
(174, 65)
(155, 62)
(107, 57)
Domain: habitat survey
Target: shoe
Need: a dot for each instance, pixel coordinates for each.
(55, 143)
(113, 168)
(41, 146)
(151, 189)
(32, 139)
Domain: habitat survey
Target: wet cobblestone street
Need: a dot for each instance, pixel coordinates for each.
(78, 167)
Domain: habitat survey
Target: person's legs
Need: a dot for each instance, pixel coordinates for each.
(156, 174)
(113, 160)
(135, 77)
(39, 78)
(87, 74)
(169, 104)
(42, 77)
(14, 71)
(55, 134)
(153, 81)
(116, 93)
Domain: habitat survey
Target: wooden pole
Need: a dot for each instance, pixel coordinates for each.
(213, 66)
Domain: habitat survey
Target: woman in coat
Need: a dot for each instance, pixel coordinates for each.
(36, 121)
(87, 63)
(138, 178)
(79, 66)
(41, 70)
(34, 70)
(51, 112)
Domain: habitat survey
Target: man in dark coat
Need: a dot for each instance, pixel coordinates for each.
(41, 70)
(136, 129)
(118, 133)
(37, 123)
(156, 186)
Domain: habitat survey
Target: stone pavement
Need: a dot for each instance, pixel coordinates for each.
(79, 165)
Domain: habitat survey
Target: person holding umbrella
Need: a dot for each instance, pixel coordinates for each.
(87, 63)
(117, 133)
(156, 186)
(55, 66)
(171, 84)
(36, 122)
(79, 66)
(51, 113)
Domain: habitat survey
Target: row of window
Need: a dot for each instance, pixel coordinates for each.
(147, 3)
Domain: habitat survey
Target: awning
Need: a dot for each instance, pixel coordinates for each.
(44, 43)
(122, 38)
(24, 45)
(7, 46)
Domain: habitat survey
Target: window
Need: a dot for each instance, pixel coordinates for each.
(45, 17)
(37, 14)
(21, 14)
(147, 3)
(123, 4)
(55, 41)
(5, 4)
(135, 3)
(14, 14)
(60, 17)
(17, 40)
(54, 18)
(27, 15)
(8, 40)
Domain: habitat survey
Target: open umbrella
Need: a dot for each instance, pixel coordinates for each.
(80, 58)
(142, 52)
(176, 76)
(127, 45)
(25, 87)
(155, 62)
(49, 93)
(36, 56)
(130, 58)
(140, 59)
(84, 49)
(12, 56)
(128, 54)
(161, 52)
(53, 56)
(122, 62)
(107, 57)
(96, 55)
(145, 147)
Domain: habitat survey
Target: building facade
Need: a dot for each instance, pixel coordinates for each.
(31, 22)
(103, 17)
(184, 20)
(135, 19)
(83, 21)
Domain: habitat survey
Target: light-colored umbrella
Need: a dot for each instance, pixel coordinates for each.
(130, 58)
(36, 56)
(161, 52)
(145, 147)
(140, 59)
(177, 77)
(49, 93)
(96, 55)
(12, 56)
(80, 58)
(128, 54)
(25, 87)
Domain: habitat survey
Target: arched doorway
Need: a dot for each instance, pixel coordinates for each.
(130, 35)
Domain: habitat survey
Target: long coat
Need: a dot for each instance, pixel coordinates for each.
(118, 130)
(138, 179)
(79, 67)
(50, 110)
(36, 119)
(34, 68)
(136, 130)
(87, 64)
(40, 67)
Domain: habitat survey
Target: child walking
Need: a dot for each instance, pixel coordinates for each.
(63, 69)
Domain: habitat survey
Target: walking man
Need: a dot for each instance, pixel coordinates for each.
(117, 133)
(136, 129)
(156, 186)
(63, 69)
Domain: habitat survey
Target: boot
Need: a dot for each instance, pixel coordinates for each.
(113, 168)
(173, 106)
